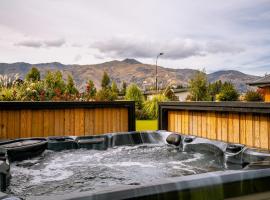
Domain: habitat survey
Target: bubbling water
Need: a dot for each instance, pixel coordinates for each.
(89, 170)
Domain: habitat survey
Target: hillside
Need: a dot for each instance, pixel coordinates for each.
(128, 70)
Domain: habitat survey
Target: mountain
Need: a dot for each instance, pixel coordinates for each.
(128, 70)
(239, 79)
(131, 61)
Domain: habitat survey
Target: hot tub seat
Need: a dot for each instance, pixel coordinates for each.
(21, 149)
(135, 138)
(99, 142)
(61, 143)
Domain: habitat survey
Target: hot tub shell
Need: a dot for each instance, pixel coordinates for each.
(212, 185)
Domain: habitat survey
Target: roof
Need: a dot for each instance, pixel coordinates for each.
(261, 82)
(175, 90)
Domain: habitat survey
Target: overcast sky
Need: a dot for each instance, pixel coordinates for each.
(210, 34)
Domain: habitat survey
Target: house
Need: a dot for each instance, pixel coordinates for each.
(263, 83)
(180, 94)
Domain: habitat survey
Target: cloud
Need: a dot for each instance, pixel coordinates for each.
(41, 43)
(54, 43)
(30, 43)
(174, 49)
(77, 58)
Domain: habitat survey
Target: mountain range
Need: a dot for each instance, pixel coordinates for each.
(128, 70)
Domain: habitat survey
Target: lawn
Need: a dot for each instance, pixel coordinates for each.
(146, 125)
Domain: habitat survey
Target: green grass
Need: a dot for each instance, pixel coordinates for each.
(146, 125)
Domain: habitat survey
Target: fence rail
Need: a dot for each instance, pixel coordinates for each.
(234, 122)
(42, 119)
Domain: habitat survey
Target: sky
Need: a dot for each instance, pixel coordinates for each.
(199, 34)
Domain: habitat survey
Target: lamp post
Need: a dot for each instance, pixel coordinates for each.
(160, 54)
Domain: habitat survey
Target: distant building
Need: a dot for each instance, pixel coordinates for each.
(263, 83)
(181, 94)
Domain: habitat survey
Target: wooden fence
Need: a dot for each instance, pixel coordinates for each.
(233, 122)
(42, 119)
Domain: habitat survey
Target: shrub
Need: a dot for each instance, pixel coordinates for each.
(9, 81)
(134, 93)
(105, 94)
(8, 94)
(151, 106)
(168, 92)
(253, 96)
(33, 75)
(91, 90)
(227, 93)
(141, 114)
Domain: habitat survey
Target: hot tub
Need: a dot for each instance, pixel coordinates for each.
(140, 165)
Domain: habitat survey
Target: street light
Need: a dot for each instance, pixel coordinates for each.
(160, 54)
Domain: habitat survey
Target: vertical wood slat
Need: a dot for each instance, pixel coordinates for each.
(199, 124)
(218, 126)
(186, 122)
(98, 121)
(49, 122)
(249, 129)
(204, 125)
(1, 134)
(89, 122)
(171, 122)
(26, 120)
(17, 124)
(124, 119)
(59, 122)
(264, 129)
(256, 130)
(230, 128)
(37, 123)
(67, 122)
(236, 128)
(190, 123)
(242, 127)
(79, 122)
(224, 127)
(10, 124)
(4, 124)
(194, 123)
(212, 128)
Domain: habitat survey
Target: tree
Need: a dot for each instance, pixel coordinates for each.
(33, 75)
(55, 86)
(151, 106)
(124, 88)
(70, 88)
(214, 89)
(114, 87)
(228, 93)
(198, 87)
(105, 82)
(253, 96)
(90, 90)
(135, 94)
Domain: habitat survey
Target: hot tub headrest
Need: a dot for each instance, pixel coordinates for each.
(174, 139)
